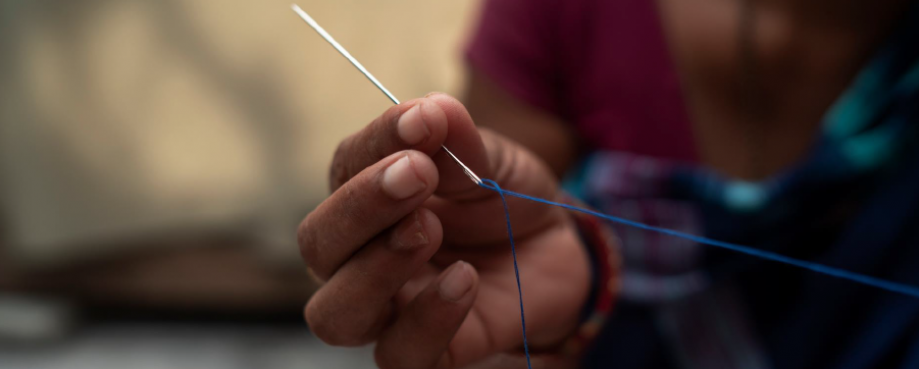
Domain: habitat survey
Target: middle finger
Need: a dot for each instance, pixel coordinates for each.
(363, 207)
(353, 307)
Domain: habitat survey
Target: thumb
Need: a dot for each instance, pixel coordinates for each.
(490, 156)
(464, 141)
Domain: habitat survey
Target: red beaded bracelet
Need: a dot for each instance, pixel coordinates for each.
(603, 247)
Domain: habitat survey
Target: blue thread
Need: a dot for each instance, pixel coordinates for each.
(901, 288)
(815, 267)
(510, 236)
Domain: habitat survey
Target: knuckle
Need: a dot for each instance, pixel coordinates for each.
(318, 322)
(306, 240)
(322, 324)
(338, 171)
(310, 248)
(380, 137)
(333, 326)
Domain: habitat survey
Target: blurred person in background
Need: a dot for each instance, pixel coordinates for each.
(789, 126)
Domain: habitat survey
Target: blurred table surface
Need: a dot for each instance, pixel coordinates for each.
(181, 346)
(190, 275)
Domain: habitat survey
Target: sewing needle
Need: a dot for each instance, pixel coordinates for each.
(322, 32)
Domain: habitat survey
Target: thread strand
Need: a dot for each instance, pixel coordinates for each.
(891, 286)
(510, 237)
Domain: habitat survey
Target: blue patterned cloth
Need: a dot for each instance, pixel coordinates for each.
(852, 203)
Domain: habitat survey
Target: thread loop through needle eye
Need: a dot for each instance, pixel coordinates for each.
(325, 35)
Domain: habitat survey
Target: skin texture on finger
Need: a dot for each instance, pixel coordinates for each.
(421, 334)
(417, 124)
(356, 303)
(421, 280)
(366, 205)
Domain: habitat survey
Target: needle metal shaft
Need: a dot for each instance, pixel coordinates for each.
(322, 32)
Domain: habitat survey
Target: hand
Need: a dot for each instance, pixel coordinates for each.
(414, 256)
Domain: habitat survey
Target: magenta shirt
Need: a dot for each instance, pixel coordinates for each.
(601, 65)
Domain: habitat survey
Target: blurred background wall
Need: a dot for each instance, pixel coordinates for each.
(156, 156)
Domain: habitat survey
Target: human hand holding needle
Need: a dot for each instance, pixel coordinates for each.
(413, 256)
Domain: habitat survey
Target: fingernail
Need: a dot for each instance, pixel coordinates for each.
(411, 127)
(400, 180)
(456, 283)
(409, 235)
